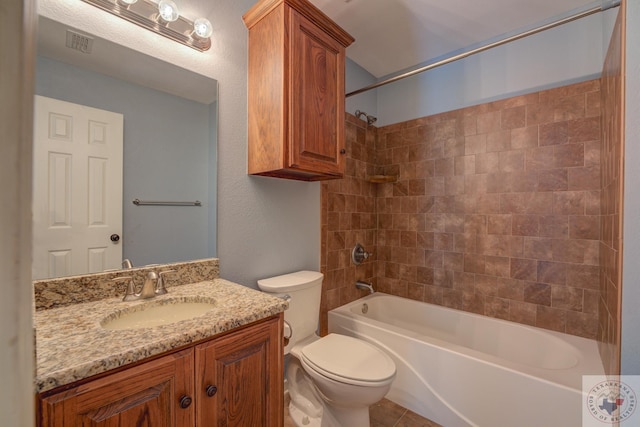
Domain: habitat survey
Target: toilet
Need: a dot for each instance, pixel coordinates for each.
(331, 380)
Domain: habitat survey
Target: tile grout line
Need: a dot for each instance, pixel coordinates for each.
(398, 420)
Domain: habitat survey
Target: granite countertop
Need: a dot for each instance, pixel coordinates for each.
(72, 345)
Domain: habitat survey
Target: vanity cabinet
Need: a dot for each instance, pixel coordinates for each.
(296, 91)
(234, 380)
(241, 378)
(145, 395)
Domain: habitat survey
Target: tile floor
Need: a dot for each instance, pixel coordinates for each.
(385, 414)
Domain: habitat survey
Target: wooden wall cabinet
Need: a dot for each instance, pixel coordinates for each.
(296, 91)
(235, 380)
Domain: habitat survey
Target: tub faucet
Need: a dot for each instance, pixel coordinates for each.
(364, 285)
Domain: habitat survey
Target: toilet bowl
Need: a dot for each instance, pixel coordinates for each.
(331, 380)
(349, 375)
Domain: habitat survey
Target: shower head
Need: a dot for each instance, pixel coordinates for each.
(370, 119)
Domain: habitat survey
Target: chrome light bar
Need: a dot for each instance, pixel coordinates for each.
(145, 14)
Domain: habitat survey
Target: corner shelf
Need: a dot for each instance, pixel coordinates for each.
(381, 179)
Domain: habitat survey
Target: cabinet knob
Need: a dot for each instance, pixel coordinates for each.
(185, 401)
(343, 151)
(211, 390)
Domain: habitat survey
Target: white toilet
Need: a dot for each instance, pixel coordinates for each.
(331, 380)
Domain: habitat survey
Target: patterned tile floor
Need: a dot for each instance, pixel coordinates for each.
(384, 414)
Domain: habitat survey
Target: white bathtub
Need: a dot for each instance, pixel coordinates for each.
(462, 369)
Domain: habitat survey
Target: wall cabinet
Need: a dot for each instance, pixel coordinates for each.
(296, 91)
(235, 380)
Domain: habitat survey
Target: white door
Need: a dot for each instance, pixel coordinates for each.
(77, 189)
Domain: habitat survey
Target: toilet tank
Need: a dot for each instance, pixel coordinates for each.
(304, 290)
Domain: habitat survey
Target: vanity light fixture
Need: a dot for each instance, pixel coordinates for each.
(202, 28)
(168, 11)
(162, 18)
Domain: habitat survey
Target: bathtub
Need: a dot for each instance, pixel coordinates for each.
(462, 369)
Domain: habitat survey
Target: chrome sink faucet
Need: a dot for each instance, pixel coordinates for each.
(154, 284)
(148, 288)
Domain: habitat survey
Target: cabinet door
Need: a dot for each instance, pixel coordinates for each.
(240, 378)
(317, 98)
(147, 395)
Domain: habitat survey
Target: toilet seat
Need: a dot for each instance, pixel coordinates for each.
(348, 360)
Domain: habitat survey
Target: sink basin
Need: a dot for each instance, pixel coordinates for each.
(157, 314)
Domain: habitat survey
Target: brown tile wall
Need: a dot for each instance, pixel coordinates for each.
(496, 210)
(348, 215)
(611, 203)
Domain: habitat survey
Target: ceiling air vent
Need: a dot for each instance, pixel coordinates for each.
(79, 42)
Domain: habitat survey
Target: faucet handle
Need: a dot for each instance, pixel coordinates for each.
(131, 290)
(160, 288)
(359, 255)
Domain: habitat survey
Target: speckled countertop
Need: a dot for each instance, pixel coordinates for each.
(72, 345)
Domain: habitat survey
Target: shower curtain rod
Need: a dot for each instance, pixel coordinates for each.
(606, 4)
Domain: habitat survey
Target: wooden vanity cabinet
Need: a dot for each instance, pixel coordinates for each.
(296, 91)
(241, 379)
(232, 381)
(150, 394)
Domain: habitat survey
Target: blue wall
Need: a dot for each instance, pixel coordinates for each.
(357, 78)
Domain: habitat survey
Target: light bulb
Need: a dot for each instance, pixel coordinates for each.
(168, 10)
(127, 2)
(202, 28)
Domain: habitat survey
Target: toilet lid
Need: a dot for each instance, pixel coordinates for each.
(347, 358)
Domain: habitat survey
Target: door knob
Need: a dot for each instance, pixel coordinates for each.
(115, 237)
